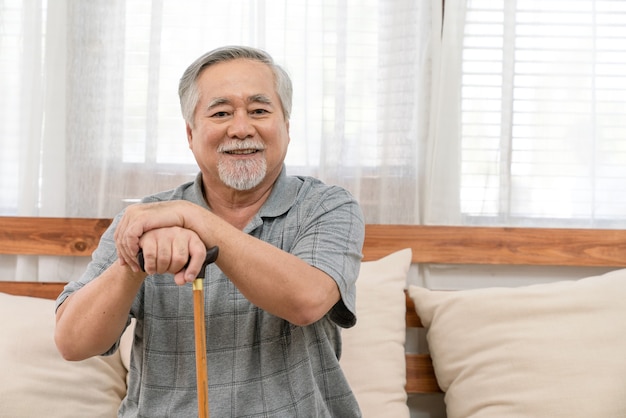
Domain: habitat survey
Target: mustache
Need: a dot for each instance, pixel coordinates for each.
(241, 145)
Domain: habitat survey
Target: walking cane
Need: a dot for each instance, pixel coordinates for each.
(202, 379)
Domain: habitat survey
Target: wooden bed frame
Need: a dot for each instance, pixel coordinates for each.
(430, 244)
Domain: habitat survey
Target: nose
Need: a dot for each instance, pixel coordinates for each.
(241, 126)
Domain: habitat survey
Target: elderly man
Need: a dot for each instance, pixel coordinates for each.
(282, 285)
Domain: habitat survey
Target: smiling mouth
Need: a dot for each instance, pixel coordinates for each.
(242, 151)
(241, 148)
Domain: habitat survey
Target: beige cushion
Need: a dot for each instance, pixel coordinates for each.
(549, 350)
(35, 381)
(373, 350)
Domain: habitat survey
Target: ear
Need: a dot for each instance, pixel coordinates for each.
(189, 131)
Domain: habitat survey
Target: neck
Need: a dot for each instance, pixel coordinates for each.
(234, 206)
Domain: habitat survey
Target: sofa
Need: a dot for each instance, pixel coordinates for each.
(552, 349)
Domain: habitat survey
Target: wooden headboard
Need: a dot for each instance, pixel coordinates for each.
(430, 244)
(488, 246)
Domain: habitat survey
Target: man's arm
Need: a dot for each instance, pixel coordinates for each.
(92, 318)
(275, 280)
(272, 279)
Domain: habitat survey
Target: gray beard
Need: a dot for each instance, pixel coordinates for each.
(242, 175)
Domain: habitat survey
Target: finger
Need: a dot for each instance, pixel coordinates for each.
(126, 260)
(163, 257)
(123, 223)
(126, 256)
(149, 250)
(179, 278)
(116, 236)
(129, 246)
(197, 255)
(180, 251)
(129, 259)
(127, 235)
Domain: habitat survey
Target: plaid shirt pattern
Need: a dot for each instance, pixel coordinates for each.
(259, 365)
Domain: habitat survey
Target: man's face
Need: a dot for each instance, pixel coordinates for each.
(240, 135)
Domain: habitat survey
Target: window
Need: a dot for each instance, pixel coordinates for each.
(20, 105)
(544, 110)
(332, 63)
(105, 78)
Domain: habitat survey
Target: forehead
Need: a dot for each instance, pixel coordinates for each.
(239, 77)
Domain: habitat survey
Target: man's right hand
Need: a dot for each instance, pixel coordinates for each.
(168, 250)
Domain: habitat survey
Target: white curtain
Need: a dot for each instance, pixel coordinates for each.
(91, 120)
(511, 112)
(98, 120)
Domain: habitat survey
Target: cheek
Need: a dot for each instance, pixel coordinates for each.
(201, 137)
(280, 132)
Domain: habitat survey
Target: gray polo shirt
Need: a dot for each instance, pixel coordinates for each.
(259, 365)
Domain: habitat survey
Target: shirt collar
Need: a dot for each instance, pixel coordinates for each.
(281, 199)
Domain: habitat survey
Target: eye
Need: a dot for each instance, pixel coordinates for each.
(220, 114)
(259, 111)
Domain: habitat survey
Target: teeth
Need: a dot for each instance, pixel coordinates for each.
(241, 152)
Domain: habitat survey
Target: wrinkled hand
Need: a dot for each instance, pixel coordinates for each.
(139, 219)
(167, 250)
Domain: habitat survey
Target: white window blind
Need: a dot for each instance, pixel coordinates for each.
(544, 110)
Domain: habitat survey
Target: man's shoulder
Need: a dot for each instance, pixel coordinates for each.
(185, 191)
(313, 185)
(314, 192)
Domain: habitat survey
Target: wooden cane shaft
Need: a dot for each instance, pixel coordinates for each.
(201, 361)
